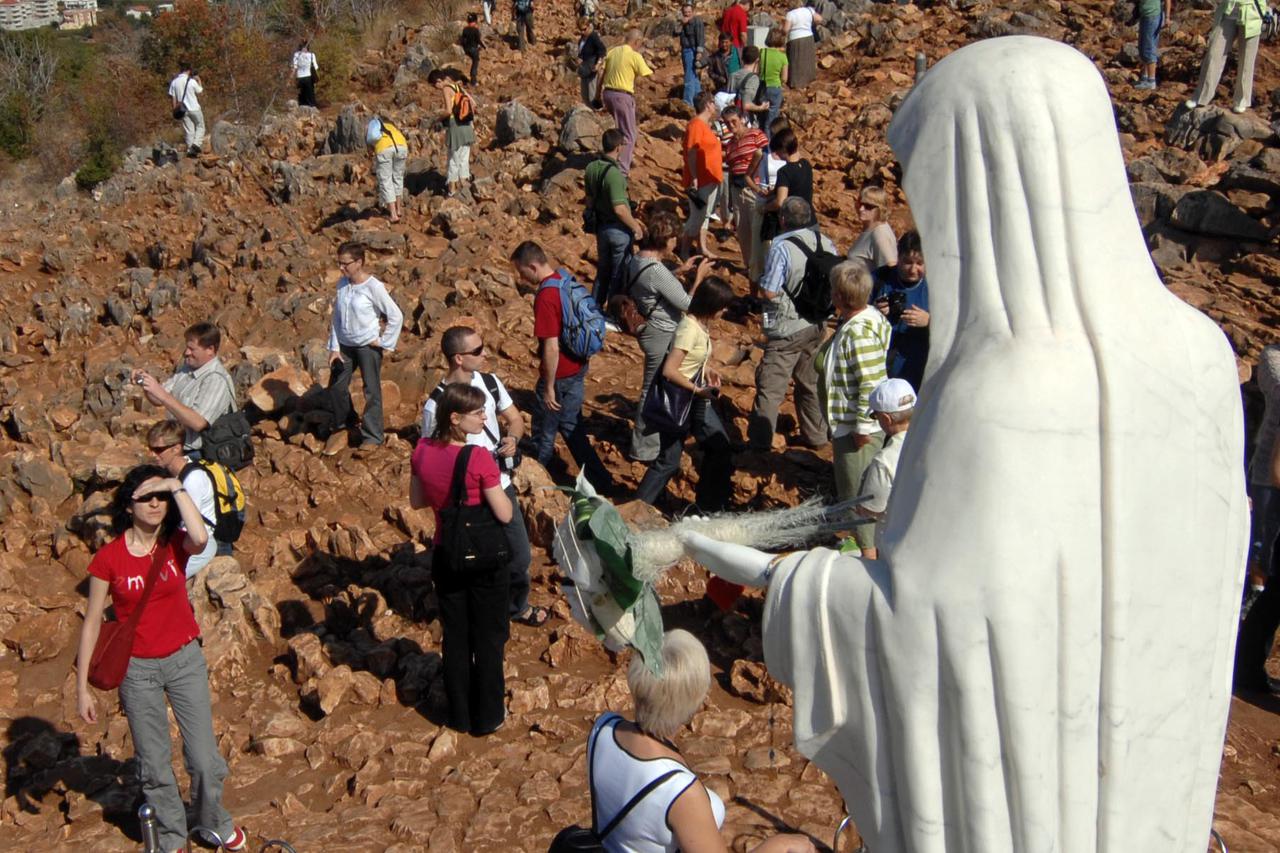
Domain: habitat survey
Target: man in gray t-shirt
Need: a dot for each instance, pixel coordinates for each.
(745, 83)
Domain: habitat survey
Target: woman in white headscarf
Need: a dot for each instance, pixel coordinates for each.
(1040, 659)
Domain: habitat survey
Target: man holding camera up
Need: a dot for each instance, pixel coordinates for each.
(463, 350)
(200, 392)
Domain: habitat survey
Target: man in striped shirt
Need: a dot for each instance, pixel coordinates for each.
(850, 365)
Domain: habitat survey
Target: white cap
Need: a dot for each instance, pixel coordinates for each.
(892, 396)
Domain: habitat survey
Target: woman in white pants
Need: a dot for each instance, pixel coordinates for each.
(1238, 21)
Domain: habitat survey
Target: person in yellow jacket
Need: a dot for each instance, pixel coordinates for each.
(1238, 21)
(390, 153)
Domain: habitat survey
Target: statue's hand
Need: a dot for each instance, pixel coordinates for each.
(736, 563)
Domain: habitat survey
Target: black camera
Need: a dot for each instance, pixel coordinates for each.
(897, 304)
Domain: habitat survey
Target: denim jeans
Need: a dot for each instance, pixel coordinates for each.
(613, 245)
(369, 361)
(567, 422)
(1149, 37)
(774, 95)
(182, 678)
(714, 484)
(692, 85)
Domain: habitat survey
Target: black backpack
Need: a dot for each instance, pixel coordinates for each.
(813, 297)
(471, 537)
(579, 839)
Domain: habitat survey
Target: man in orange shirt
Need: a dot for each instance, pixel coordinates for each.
(703, 165)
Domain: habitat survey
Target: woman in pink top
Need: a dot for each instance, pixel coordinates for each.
(473, 604)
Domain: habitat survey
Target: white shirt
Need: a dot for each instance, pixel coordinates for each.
(801, 21)
(491, 409)
(199, 486)
(303, 62)
(877, 482)
(357, 314)
(772, 165)
(178, 85)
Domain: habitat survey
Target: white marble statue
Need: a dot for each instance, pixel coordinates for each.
(1040, 660)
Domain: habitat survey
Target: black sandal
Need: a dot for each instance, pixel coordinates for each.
(534, 617)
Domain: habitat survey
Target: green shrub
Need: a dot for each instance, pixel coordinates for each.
(101, 161)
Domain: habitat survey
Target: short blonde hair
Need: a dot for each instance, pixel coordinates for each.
(851, 284)
(874, 196)
(165, 434)
(664, 703)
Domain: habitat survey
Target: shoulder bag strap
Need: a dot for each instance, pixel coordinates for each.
(458, 488)
(809, 255)
(635, 801)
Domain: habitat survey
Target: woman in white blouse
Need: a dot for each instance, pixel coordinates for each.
(802, 53)
(366, 323)
(304, 71)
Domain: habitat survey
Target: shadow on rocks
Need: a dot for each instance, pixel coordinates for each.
(46, 774)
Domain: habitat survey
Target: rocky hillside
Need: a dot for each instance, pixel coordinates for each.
(323, 641)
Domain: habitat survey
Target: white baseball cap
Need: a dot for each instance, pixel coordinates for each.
(892, 396)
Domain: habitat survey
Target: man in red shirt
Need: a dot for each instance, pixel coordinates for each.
(703, 167)
(733, 23)
(558, 397)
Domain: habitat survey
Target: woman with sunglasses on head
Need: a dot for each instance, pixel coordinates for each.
(166, 660)
(876, 246)
(473, 602)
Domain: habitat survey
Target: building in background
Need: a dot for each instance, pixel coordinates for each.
(78, 14)
(30, 14)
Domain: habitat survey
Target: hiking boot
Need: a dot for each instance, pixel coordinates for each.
(336, 442)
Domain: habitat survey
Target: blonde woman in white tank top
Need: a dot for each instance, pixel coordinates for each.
(623, 757)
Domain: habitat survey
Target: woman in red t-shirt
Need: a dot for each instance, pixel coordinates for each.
(166, 659)
(473, 604)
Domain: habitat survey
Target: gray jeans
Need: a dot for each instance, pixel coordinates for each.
(1227, 31)
(369, 360)
(183, 677)
(654, 342)
(389, 166)
(193, 128)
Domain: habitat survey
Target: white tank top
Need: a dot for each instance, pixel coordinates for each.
(618, 775)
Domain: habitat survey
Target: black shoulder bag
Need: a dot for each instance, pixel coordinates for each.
(578, 839)
(470, 536)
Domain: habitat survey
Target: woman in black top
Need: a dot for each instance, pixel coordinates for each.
(591, 51)
(795, 179)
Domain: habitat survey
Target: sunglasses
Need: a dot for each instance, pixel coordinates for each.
(865, 206)
(154, 498)
(475, 352)
(162, 449)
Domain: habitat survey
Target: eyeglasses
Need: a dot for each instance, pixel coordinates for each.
(154, 498)
(342, 265)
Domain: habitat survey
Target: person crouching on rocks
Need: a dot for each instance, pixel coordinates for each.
(460, 133)
(473, 599)
(143, 572)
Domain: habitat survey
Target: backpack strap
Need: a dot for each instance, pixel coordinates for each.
(593, 191)
(635, 801)
(491, 385)
(809, 255)
(457, 489)
(591, 755)
(196, 466)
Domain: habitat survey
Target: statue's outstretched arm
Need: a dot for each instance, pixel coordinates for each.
(735, 563)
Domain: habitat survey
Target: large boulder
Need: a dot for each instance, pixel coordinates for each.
(581, 131)
(515, 121)
(1211, 213)
(347, 135)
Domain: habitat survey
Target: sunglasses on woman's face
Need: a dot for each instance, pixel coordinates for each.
(153, 498)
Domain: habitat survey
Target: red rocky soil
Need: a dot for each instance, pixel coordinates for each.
(322, 638)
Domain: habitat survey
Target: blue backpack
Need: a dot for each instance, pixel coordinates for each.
(581, 321)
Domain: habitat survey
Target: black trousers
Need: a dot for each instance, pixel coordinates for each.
(306, 91)
(1256, 636)
(475, 65)
(715, 486)
(473, 613)
(524, 29)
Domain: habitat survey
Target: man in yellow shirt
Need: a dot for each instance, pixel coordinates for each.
(622, 65)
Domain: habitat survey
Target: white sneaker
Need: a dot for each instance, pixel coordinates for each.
(1239, 110)
(1190, 103)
